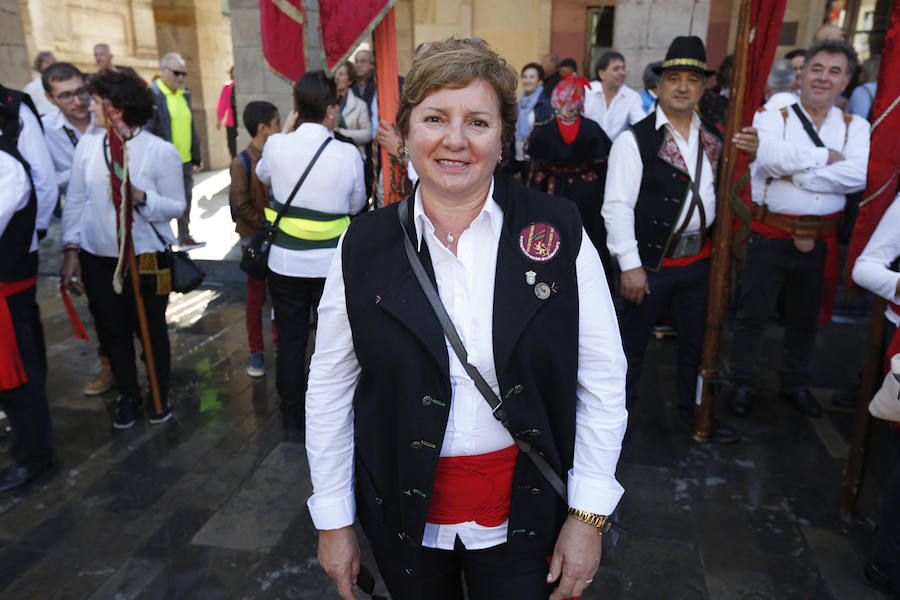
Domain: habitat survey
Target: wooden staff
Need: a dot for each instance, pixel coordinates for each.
(871, 378)
(723, 235)
(386, 71)
(142, 319)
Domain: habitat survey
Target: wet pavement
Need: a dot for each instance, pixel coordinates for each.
(212, 504)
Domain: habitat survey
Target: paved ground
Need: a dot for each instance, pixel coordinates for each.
(211, 505)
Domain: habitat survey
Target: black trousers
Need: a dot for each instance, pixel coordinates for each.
(26, 406)
(117, 324)
(231, 134)
(683, 291)
(772, 266)
(294, 299)
(886, 553)
(489, 574)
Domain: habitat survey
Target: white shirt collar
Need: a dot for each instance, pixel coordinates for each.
(662, 119)
(57, 120)
(490, 210)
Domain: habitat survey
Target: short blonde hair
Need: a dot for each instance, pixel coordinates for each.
(454, 64)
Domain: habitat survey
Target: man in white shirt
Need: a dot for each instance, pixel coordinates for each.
(35, 88)
(659, 205)
(65, 88)
(609, 102)
(23, 364)
(810, 155)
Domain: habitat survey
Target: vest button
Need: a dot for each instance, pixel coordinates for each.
(535, 491)
(416, 445)
(427, 400)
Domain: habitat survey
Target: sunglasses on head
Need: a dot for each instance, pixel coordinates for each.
(366, 583)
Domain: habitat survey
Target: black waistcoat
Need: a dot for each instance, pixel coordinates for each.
(402, 399)
(665, 184)
(15, 242)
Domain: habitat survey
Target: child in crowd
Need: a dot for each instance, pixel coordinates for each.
(249, 198)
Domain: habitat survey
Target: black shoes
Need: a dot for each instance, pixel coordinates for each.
(127, 410)
(162, 416)
(16, 475)
(803, 401)
(741, 401)
(875, 578)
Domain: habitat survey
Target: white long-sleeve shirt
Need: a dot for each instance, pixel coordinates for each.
(871, 268)
(623, 183)
(14, 192)
(61, 138)
(89, 219)
(626, 108)
(35, 89)
(33, 148)
(812, 187)
(335, 184)
(465, 282)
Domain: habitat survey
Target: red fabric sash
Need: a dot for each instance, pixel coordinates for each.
(473, 488)
(705, 252)
(80, 333)
(12, 371)
(832, 263)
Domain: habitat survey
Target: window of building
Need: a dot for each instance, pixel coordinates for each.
(599, 35)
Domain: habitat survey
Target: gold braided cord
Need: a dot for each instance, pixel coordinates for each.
(684, 62)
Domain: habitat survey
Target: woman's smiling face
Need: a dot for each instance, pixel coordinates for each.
(454, 140)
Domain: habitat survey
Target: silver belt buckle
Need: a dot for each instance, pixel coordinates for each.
(689, 244)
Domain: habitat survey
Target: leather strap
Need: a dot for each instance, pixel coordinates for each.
(696, 201)
(453, 336)
(807, 126)
(300, 182)
(811, 226)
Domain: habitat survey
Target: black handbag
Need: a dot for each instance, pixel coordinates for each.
(186, 276)
(255, 259)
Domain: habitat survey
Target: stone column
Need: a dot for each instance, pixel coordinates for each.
(14, 71)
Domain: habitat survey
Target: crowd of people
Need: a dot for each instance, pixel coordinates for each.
(518, 321)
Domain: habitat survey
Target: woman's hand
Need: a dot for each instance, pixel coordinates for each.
(388, 138)
(575, 558)
(748, 141)
(290, 124)
(70, 273)
(339, 556)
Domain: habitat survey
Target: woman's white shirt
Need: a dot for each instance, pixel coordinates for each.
(872, 269)
(466, 286)
(89, 218)
(334, 185)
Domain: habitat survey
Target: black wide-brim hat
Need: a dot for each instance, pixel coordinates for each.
(686, 53)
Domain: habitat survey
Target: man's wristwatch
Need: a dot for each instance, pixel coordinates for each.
(601, 522)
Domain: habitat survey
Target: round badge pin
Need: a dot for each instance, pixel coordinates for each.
(540, 242)
(542, 291)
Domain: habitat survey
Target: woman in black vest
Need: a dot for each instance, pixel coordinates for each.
(454, 458)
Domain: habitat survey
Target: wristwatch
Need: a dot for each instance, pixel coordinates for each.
(601, 522)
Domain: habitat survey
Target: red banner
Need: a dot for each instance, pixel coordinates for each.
(765, 18)
(884, 156)
(281, 26)
(345, 23)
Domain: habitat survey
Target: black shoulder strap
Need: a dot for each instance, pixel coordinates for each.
(807, 126)
(300, 181)
(453, 336)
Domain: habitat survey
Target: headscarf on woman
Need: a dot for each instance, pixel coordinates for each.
(526, 104)
(568, 103)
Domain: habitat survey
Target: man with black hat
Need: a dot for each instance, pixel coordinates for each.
(810, 155)
(659, 205)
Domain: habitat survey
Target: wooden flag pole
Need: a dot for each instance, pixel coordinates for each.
(142, 319)
(723, 235)
(386, 71)
(871, 378)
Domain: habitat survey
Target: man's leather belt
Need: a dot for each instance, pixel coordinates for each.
(804, 226)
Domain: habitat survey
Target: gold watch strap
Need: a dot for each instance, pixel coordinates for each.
(601, 522)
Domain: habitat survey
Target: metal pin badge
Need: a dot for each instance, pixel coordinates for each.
(542, 291)
(530, 277)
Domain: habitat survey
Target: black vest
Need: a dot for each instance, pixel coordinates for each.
(17, 262)
(665, 184)
(402, 399)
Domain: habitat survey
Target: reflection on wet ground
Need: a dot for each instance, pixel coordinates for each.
(212, 504)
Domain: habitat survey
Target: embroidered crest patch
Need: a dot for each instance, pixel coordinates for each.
(539, 242)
